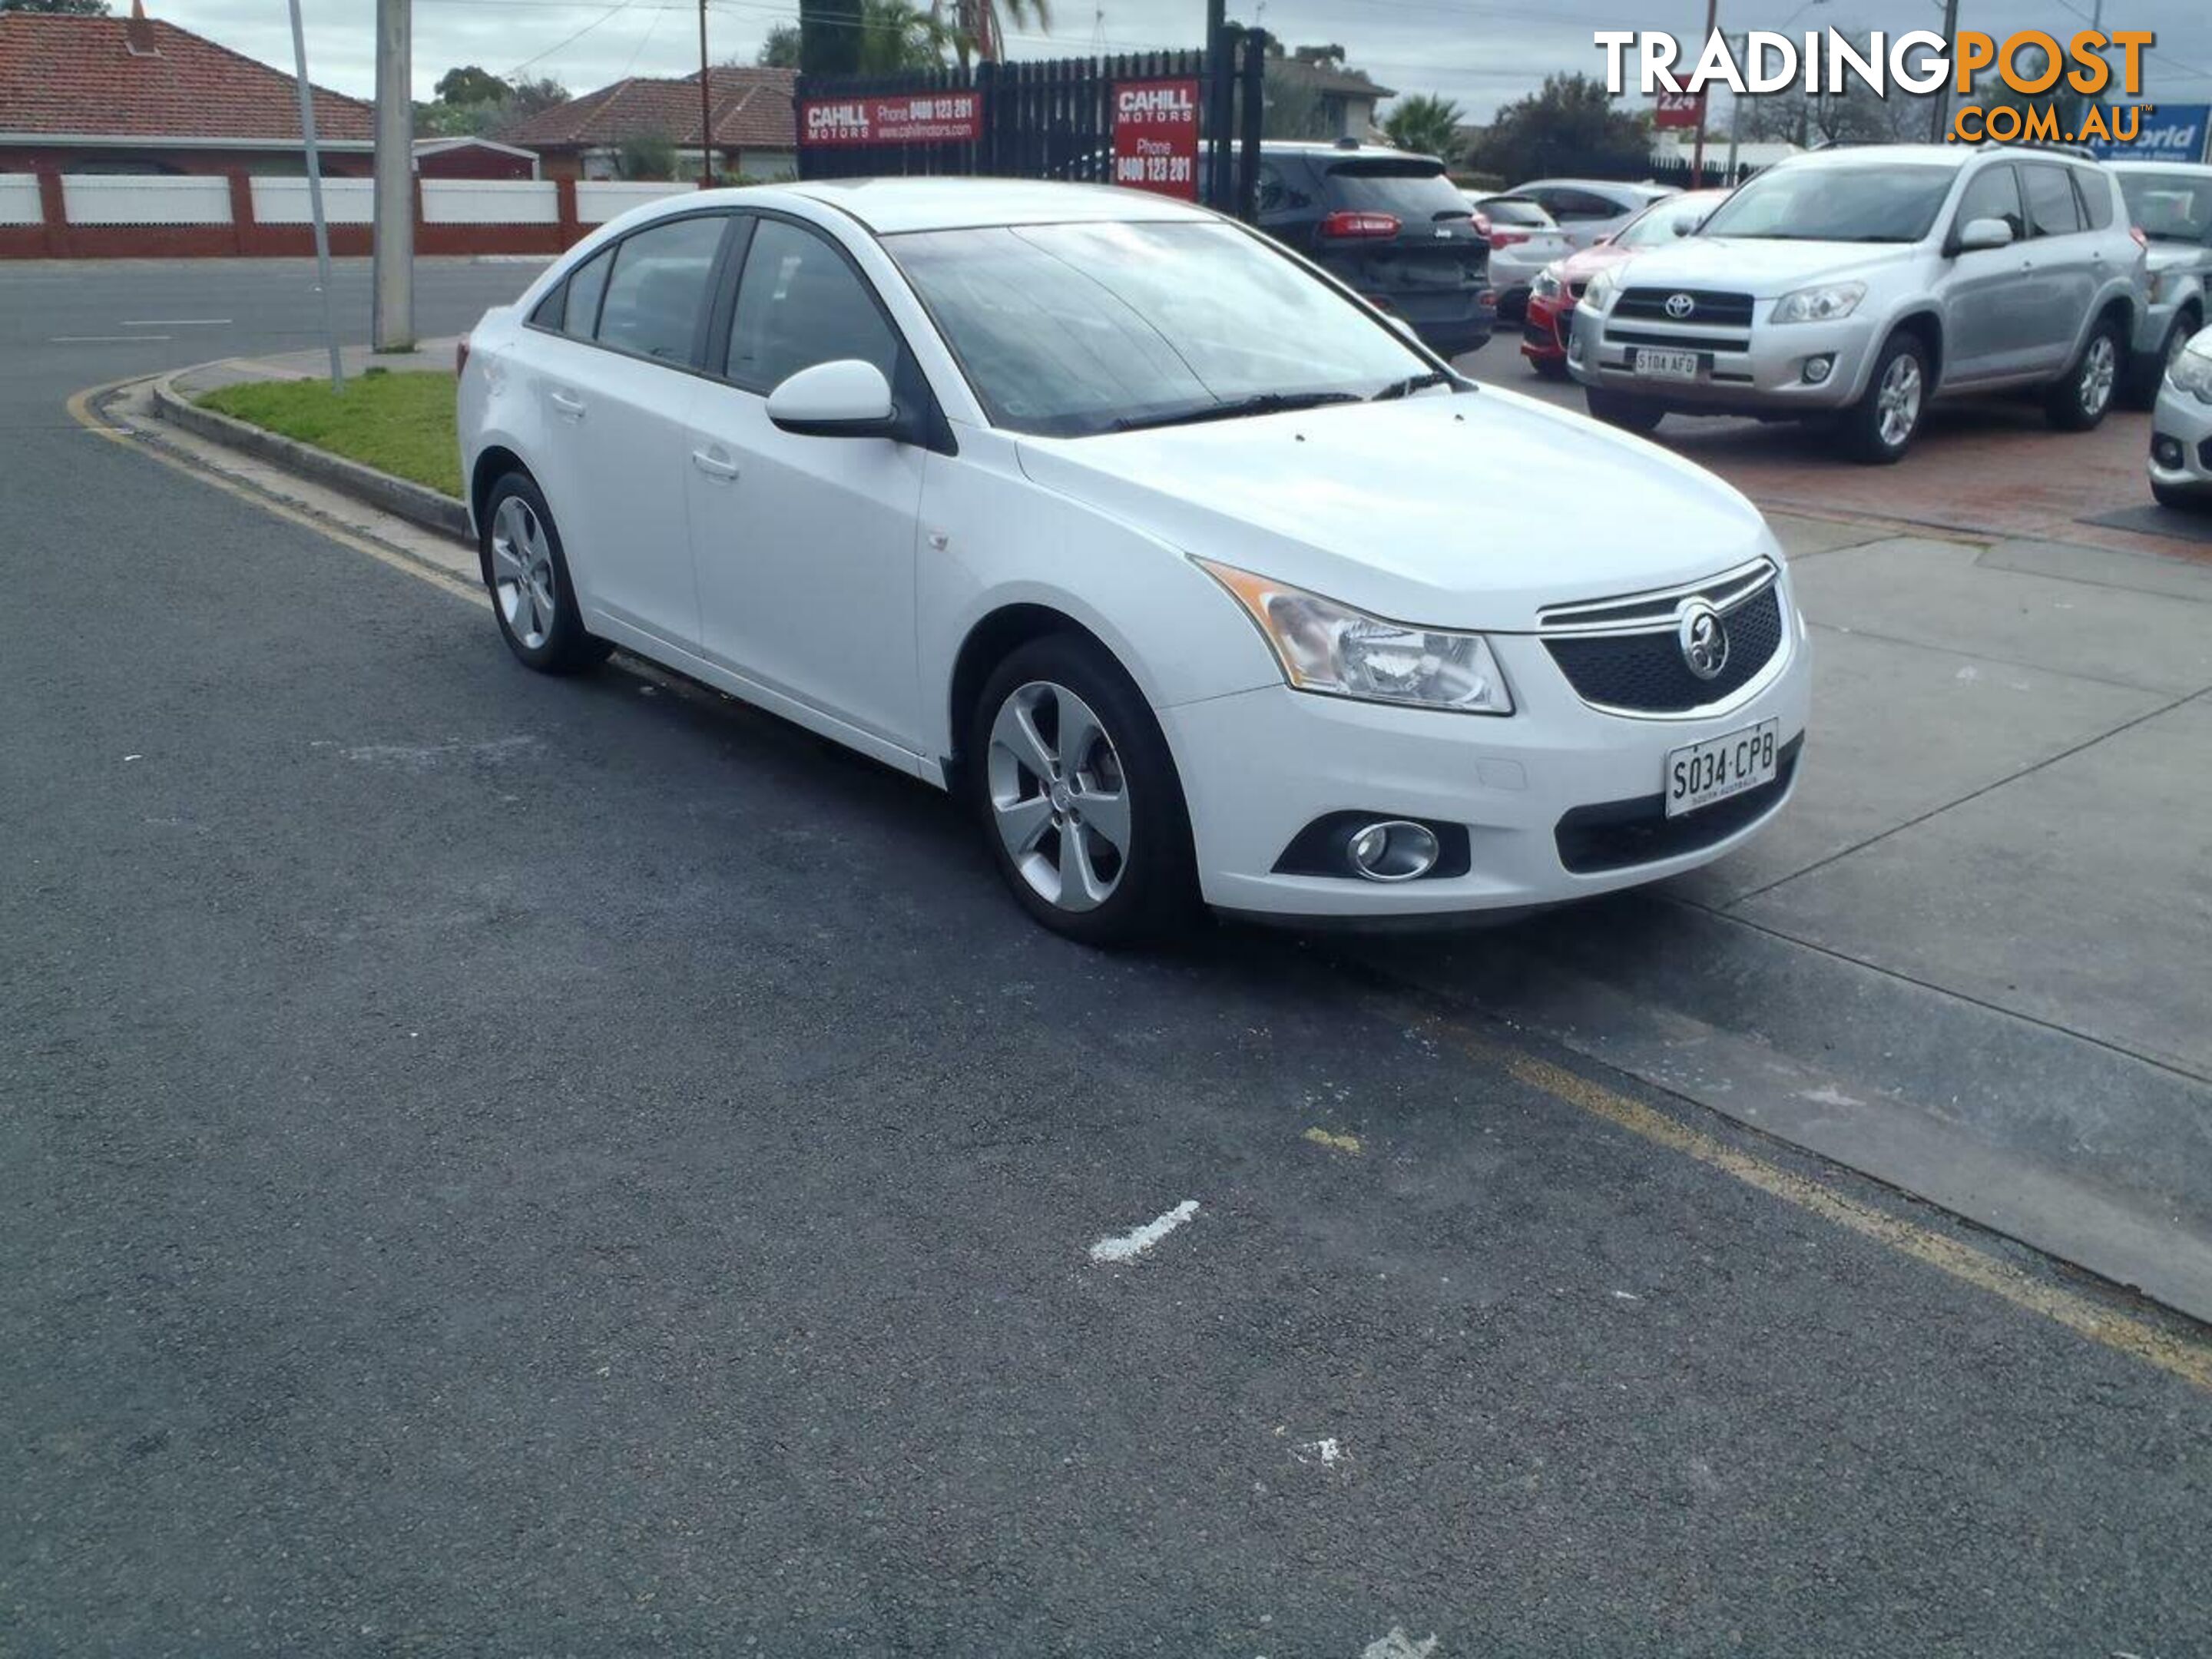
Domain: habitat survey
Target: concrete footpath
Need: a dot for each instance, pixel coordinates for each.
(1974, 959)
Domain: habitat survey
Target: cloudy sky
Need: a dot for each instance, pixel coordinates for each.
(1481, 52)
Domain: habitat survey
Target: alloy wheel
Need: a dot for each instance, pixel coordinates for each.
(1059, 798)
(2100, 371)
(1897, 401)
(522, 572)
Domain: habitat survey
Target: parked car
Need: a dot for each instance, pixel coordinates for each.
(1523, 240)
(1587, 211)
(2181, 426)
(1016, 488)
(2172, 205)
(1550, 317)
(1856, 284)
(1390, 227)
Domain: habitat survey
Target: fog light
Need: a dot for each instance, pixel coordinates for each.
(1817, 369)
(2165, 451)
(1392, 851)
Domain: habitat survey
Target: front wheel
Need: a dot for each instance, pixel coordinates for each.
(1551, 368)
(1077, 797)
(2140, 391)
(1623, 410)
(2175, 496)
(1879, 428)
(2078, 400)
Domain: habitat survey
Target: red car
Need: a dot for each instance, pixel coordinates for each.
(1551, 313)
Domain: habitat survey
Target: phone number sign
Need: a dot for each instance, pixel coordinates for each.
(918, 117)
(1155, 137)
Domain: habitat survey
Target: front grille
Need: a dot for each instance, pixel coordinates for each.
(1644, 336)
(1621, 833)
(1707, 309)
(1644, 673)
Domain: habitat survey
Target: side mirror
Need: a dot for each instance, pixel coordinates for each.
(1979, 234)
(848, 399)
(1684, 226)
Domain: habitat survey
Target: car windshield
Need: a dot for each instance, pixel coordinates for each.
(2170, 207)
(1415, 190)
(1071, 329)
(1654, 226)
(1887, 202)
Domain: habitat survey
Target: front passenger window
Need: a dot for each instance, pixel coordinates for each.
(658, 289)
(800, 304)
(1993, 194)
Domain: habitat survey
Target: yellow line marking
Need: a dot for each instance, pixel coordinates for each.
(79, 409)
(2185, 1356)
(1335, 1143)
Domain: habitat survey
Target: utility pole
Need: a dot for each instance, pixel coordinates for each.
(1939, 105)
(1735, 114)
(315, 194)
(706, 108)
(392, 282)
(1705, 102)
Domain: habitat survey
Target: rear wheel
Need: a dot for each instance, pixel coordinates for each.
(1879, 428)
(1623, 410)
(528, 575)
(1077, 794)
(2080, 398)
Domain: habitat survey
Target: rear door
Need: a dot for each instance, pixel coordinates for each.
(2063, 265)
(1396, 230)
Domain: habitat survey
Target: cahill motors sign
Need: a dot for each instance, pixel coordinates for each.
(906, 117)
(1155, 137)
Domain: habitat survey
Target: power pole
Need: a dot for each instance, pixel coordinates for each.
(1938, 106)
(1705, 102)
(392, 283)
(1735, 114)
(706, 108)
(315, 194)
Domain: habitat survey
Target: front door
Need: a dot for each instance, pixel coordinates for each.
(1989, 299)
(804, 547)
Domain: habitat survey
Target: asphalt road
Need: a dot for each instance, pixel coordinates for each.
(496, 1165)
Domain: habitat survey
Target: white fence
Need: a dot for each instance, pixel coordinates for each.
(130, 199)
(490, 201)
(599, 200)
(19, 200)
(285, 201)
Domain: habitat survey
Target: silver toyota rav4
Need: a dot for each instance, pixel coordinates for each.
(1856, 284)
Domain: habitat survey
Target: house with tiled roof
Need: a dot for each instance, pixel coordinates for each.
(137, 94)
(755, 132)
(1345, 98)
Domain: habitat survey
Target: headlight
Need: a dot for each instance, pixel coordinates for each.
(1548, 285)
(1599, 295)
(1333, 649)
(1820, 305)
(2192, 371)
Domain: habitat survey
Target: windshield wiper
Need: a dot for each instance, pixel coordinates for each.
(1264, 403)
(1413, 383)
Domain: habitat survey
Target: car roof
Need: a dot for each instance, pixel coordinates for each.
(1648, 192)
(890, 206)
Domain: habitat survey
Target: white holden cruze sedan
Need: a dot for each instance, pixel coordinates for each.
(1143, 536)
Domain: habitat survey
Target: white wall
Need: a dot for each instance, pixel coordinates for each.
(490, 201)
(599, 200)
(19, 200)
(129, 199)
(285, 201)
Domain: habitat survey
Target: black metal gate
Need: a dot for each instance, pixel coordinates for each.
(1050, 120)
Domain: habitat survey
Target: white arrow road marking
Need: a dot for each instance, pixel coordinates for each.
(1131, 1245)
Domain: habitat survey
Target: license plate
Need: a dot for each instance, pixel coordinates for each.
(1713, 770)
(1667, 365)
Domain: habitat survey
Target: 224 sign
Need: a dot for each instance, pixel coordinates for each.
(1155, 137)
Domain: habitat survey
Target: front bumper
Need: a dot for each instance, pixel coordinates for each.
(1545, 328)
(1760, 371)
(2181, 441)
(1260, 766)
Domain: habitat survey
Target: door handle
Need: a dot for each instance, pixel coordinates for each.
(714, 466)
(567, 403)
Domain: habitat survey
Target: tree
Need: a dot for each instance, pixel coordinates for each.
(829, 37)
(528, 97)
(471, 101)
(645, 154)
(1570, 125)
(781, 49)
(1424, 124)
(896, 36)
(977, 30)
(58, 7)
(472, 84)
(1853, 116)
(1292, 108)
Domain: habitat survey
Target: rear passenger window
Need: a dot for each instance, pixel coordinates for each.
(800, 304)
(1568, 205)
(586, 284)
(1993, 193)
(658, 289)
(2095, 191)
(2052, 209)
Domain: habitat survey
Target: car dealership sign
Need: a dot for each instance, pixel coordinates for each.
(2166, 132)
(1155, 137)
(905, 117)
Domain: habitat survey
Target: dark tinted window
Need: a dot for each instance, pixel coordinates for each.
(1505, 210)
(1281, 189)
(1993, 193)
(659, 287)
(1417, 191)
(2095, 191)
(800, 304)
(550, 309)
(572, 306)
(1569, 205)
(2052, 209)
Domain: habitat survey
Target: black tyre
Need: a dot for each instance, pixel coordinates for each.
(2140, 391)
(1077, 797)
(2080, 398)
(1880, 427)
(1623, 410)
(2182, 500)
(528, 575)
(1549, 369)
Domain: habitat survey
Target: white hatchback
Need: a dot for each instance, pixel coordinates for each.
(1142, 534)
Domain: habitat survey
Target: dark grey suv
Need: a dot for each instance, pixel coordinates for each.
(1390, 226)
